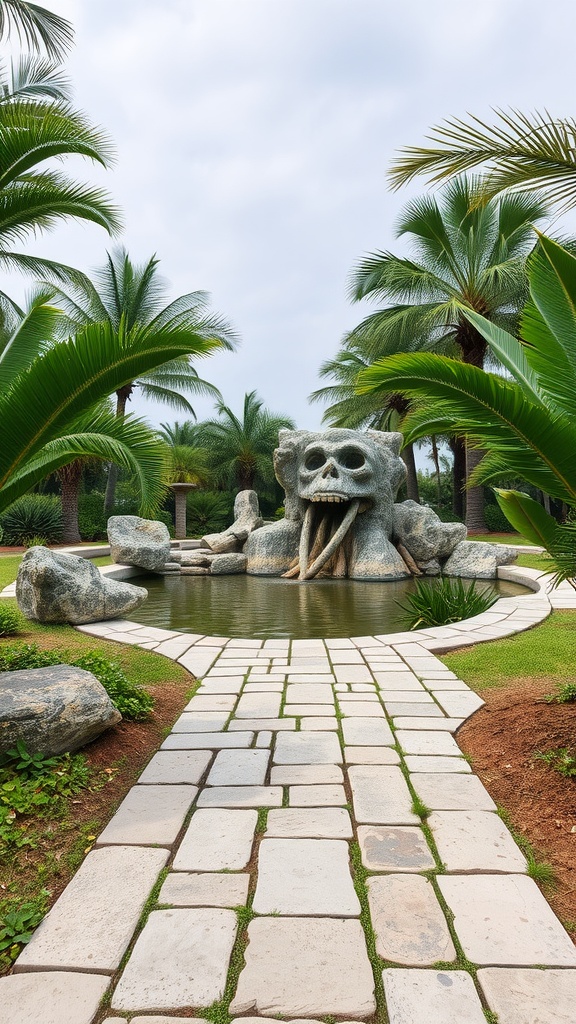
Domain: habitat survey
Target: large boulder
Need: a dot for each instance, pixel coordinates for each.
(246, 519)
(425, 536)
(478, 560)
(53, 710)
(54, 587)
(141, 542)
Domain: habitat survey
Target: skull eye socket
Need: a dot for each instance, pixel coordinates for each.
(352, 458)
(314, 460)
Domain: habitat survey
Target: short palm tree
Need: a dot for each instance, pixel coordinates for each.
(131, 299)
(470, 254)
(521, 151)
(526, 422)
(240, 449)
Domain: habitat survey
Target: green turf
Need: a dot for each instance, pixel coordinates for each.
(8, 569)
(501, 538)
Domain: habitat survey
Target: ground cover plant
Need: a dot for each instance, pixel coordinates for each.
(440, 602)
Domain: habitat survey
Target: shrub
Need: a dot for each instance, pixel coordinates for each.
(566, 693)
(209, 512)
(132, 701)
(496, 521)
(11, 620)
(33, 516)
(91, 516)
(562, 760)
(438, 603)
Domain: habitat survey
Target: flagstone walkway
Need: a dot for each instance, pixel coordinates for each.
(308, 842)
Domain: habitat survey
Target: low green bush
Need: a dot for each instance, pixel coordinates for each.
(565, 694)
(209, 512)
(442, 601)
(11, 620)
(133, 701)
(496, 520)
(562, 760)
(31, 517)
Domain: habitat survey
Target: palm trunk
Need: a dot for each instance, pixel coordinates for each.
(70, 477)
(122, 397)
(458, 475)
(475, 522)
(411, 478)
(436, 461)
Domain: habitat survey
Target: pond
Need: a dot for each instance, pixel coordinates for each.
(264, 606)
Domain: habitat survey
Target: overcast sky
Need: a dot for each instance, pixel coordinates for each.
(253, 139)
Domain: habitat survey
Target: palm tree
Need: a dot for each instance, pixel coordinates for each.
(130, 299)
(521, 151)
(470, 254)
(36, 27)
(180, 433)
(525, 422)
(240, 450)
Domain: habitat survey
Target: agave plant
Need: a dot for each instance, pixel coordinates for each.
(526, 422)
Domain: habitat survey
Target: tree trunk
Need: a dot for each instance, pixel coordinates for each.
(180, 515)
(70, 477)
(122, 397)
(436, 461)
(407, 454)
(458, 475)
(475, 522)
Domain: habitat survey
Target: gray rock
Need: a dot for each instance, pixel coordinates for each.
(53, 710)
(141, 542)
(226, 565)
(425, 536)
(54, 587)
(478, 560)
(246, 519)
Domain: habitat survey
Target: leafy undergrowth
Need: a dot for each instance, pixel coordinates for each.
(562, 760)
(440, 602)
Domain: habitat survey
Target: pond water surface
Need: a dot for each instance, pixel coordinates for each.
(264, 606)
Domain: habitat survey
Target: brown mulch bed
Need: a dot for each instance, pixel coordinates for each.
(502, 739)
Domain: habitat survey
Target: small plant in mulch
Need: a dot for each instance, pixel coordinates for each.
(564, 695)
(133, 702)
(444, 601)
(562, 760)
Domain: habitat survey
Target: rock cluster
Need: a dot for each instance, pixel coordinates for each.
(141, 542)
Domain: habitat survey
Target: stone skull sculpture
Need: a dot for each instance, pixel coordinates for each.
(340, 489)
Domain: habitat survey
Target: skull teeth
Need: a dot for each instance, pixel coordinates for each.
(328, 497)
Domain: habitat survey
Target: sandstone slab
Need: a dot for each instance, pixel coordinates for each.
(196, 948)
(305, 876)
(207, 740)
(431, 997)
(308, 748)
(257, 724)
(518, 995)
(305, 774)
(451, 792)
(306, 967)
(380, 796)
(436, 764)
(371, 755)
(51, 997)
(217, 840)
(414, 742)
(241, 796)
(149, 815)
(319, 724)
(239, 768)
(259, 705)
(309, 693)
(475, 841)
(408, 921)
(367, 732)
(394, 848)
(201, 721)
(309, 823)
(317, 796)
(204, 890)
(173, 767)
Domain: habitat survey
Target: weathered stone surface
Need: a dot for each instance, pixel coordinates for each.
(239, 768)
(409, 924)
(477, 559)
(438, 765)
(394, 848)
(228, 564)
(309, 693)
(54, 587)
(51, 997)
(306, 967)
(205, 890)
(307, 748)
(305, 774)
(141, 542)
(371, 755)
(475, 841)
(425, 536)
(217, 840)
(259, 705)
(196, 946)
(80, 932)
(504, 919)
(432, 997)
(367, 732)
(317, 796)
(452, 792)
(241, 796)
(309, 823)
(149, 815)
(53, 710)
(305, 876)
(380, 795)
(201, 721)
(414, 742)
(518, 995)
(176, 767)
(207, 740)
(246, 519)
(211, 702)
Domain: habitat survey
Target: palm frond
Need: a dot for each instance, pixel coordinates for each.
(37, 29)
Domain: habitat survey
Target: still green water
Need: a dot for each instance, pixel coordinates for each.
(263, 606)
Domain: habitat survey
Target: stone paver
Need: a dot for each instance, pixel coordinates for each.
(317, 796)
(305, 774)
(241, 796)
(319, 724)
(258, 705)
(196, 946)
(427, 743)
(451, 792)
(239, 768)
(256, 724)
(362, 709)
(504, 919)
(309, 693)
(149, 816)
(432, 997)
(308, 748)
(201, 721)
(51, 997)
(175, 767)
(371, 755)
(309, 823)
(204, 890)
(305, 876)
(518, 995)
(207, 740)
(367, 732)
(408, 921)
(288, 970)
(475, 841)
(394, 848)
(437, 764)
(380, 796)
(217, 840)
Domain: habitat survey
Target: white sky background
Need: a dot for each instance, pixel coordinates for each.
(253, 138)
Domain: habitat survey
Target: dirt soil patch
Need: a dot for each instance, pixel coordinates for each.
(502, 739)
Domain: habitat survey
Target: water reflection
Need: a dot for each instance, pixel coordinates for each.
(252, 606)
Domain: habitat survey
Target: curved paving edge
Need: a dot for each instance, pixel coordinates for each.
(288, 753)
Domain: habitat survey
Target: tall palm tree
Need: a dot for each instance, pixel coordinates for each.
(131, 298)
(520, 151)
(470, 254)
(525, 421)
(240, 449)
(37, 28)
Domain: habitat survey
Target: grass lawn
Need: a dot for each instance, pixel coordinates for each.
(501, 538)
